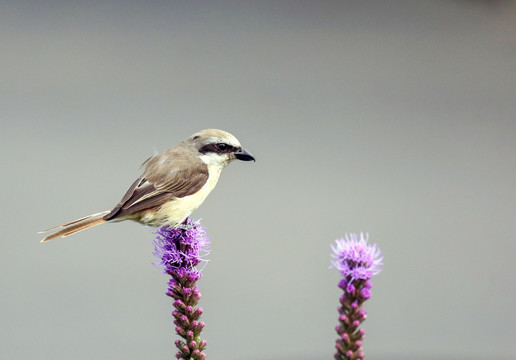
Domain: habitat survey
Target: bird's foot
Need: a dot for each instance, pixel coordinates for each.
(184, 225)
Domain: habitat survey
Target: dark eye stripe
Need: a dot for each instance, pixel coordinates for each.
(215, 148)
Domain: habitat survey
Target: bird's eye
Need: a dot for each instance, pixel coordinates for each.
(222, 146)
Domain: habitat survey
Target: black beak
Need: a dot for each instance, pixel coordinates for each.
(244, 155)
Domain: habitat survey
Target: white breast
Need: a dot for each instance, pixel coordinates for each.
(175, 211)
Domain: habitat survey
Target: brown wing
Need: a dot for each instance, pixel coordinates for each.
(169, 175)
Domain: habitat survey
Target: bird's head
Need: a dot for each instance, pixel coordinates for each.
(218, 147)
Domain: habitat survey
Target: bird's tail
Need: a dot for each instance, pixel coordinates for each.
(76, 225)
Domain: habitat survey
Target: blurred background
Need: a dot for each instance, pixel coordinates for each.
(392, 117)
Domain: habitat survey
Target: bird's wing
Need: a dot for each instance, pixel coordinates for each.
(160, 183)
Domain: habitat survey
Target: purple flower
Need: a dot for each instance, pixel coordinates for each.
(357, 261)
(180, 249)
(355, 258)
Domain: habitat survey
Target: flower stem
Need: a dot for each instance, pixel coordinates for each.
(351, 315)
(183, 289)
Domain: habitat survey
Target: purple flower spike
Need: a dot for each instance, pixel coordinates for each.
(180, 250)
(355, 258)
(357, 261)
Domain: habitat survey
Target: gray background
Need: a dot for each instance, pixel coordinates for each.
(392, 117)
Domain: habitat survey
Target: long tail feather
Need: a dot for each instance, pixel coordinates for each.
(76, 225)
(76, 221)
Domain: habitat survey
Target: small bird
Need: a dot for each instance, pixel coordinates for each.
(172, 186)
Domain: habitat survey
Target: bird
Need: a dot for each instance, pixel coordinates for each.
(172, 185)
